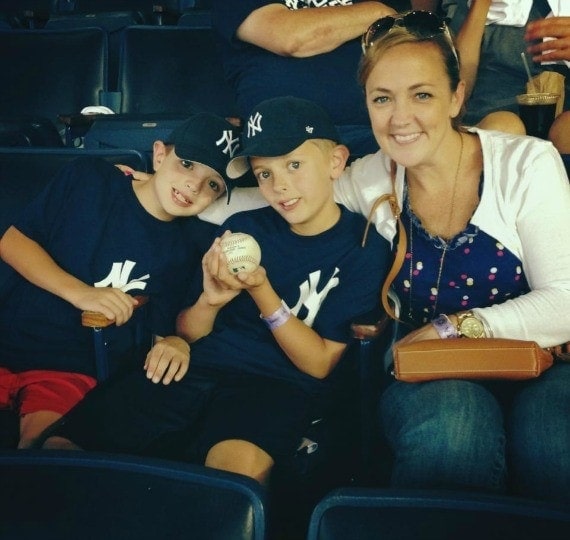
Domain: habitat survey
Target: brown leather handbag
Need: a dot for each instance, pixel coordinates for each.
(464, 358)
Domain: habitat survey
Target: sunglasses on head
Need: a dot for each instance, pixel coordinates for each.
(423, 24)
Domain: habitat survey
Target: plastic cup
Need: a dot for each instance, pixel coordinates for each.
(537, 111)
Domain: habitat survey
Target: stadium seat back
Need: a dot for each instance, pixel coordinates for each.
(174, 70)
(384, 514)
(52, 72)
(65, 495)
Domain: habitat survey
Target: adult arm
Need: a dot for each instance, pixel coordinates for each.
(35, 264)
(360, 186)
(242, 199)
(542, 223)
(469, 39)
(308, 32)
(552, 49)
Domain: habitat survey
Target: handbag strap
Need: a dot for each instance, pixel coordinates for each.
(402, 240)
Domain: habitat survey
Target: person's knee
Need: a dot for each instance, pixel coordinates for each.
(539, 438)
(241, 457)
(446, 433)
(505, 121)
(559, 133)
(452, 407)
(539, 419)
(33, 425)
(59, 443)
(463, 429)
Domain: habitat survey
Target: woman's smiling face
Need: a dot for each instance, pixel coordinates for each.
(410, 102)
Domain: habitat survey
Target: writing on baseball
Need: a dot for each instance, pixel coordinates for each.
(242, 252)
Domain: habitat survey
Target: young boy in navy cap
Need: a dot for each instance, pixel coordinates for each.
(93, 240)
(265, 343)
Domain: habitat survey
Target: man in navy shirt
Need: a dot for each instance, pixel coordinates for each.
(304, 48)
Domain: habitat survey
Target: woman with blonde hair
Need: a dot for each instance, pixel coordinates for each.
(487, 216)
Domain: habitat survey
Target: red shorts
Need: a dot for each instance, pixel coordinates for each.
(39, 390)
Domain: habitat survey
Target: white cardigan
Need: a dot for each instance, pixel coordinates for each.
(525, 205)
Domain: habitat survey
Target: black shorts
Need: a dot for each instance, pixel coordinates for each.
(131, 414)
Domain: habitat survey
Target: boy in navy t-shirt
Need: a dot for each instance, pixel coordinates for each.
(93, 240)
(263, 344)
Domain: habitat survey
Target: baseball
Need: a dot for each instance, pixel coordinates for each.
(242, 252)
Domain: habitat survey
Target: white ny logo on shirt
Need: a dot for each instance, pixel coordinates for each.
(119, 278)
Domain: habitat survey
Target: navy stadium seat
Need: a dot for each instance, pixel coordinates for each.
(31, 14)
(90, 496)
(385, 514)
(51, 72)
(172, 70)
(28, 130)
(112, 22)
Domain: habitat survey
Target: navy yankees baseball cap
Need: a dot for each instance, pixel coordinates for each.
(277, 126)
(207, 139)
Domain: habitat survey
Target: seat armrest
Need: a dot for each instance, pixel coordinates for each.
(365, 331)
(74, 120)
(94, 319)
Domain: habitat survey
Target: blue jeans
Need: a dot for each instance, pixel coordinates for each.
(494, 437)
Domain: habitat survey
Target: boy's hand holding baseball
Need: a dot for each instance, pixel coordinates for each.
(251, 280)
(220, 284)
(227, 274)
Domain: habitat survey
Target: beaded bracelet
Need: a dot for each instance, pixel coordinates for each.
(444, 327)
(277, 318)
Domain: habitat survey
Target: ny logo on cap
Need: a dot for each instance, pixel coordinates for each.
(309, 129)
(231, 142)
(254, 125)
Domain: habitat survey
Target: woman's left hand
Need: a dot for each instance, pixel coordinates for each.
(420, 334)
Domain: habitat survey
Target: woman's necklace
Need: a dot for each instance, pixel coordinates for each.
(446, 242)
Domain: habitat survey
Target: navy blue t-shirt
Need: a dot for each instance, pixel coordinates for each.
(256, 74)
(327, 280)
(91, 223)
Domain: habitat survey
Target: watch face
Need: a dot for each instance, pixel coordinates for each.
(472, 327)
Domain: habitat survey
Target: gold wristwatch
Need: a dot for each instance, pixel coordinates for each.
(470, 326)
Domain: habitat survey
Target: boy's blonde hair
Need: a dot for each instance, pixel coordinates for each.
(326, 145)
